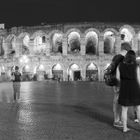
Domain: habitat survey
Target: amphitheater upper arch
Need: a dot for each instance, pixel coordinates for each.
(111, 30)
(55, 31)
(23, 34)
(39, 33)
(130, 28)
(92, 30)
(72, 30)
(10, 36)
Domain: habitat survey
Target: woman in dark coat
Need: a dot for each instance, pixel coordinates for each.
(128, 72)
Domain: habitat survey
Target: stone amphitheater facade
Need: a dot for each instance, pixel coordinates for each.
(64, 49)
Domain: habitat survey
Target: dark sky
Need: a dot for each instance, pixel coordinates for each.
(33, 12)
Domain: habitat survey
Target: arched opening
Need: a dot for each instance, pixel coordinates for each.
(126, 36)
(25, 45)
(92, 72)
(74, 42)
(39, 73)
(57, 72)
(1, 46)
(39, 45)
(3, 73)
(26, 73)
(57, 43)
(11, 45)
(109, 42)
(74, 73)
(91, 43)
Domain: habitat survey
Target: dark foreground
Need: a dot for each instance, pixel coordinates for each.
(61, 111)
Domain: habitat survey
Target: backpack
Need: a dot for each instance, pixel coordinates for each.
(110, 73)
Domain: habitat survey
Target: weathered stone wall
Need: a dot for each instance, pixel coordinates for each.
(66, 60)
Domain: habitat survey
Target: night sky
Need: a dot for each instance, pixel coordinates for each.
(34, 12)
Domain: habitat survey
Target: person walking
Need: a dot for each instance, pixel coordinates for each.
(16, 83)
(128, 73)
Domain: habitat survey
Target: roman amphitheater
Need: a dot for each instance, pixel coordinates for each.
(68, 52)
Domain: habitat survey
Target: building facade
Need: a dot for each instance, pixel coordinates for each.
(75, 51)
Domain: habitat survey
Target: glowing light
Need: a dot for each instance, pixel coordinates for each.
(24, 59)
(75, 67)
(41, 68)
(138, 58)
(57, 67)
(27, 67)
(92, 67)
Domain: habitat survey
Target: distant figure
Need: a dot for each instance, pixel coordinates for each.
(16, 83)
(128, 73)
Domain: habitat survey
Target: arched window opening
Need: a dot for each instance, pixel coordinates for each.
(74, 42)
(43, 39)
(57, 72)
(26, 73)
(39, 46)
(109, 43)
(39, 73)
(25, 45)
(91, 43)
(57, 43)
(11, 47)
(1, 47)
(92, 72)
(74, 73)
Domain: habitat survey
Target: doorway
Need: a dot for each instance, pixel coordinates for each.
(76, 75)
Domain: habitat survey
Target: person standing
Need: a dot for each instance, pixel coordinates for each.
(16, 83)
(128, 73)
(125, 47)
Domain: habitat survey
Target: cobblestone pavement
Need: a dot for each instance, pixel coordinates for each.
(61, 111)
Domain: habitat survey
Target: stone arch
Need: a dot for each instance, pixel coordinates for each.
(24, 41)
(2, 50)
(74, 42)
(92, 39)
(56, 41)
(38, 33)
(2, 69)
(11, 44)
(39, 72)
(74, 72)
(127, 33)
(26, 73)
(40, 41)
(91, 72)
(109, 42)
(57, 71)
(77, 43)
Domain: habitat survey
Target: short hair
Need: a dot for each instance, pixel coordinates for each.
(16, 68)
(126, 46)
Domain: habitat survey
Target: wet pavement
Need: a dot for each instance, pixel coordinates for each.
(61, 111)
